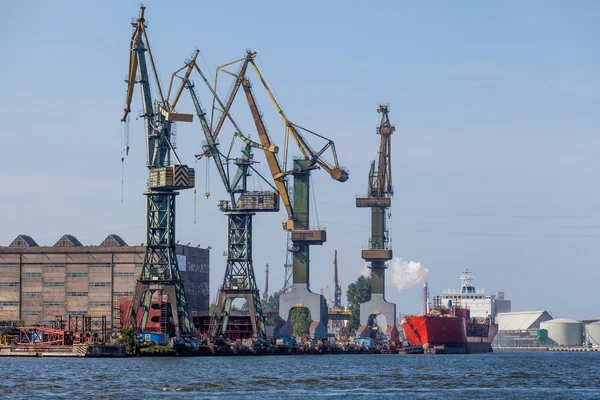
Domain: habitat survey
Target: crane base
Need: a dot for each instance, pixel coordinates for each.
(300, 296)
(378, 305)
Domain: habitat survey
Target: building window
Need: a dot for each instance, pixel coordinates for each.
(32, 294)
(123, 294)
(76, 313)
(99, 284)
(77, 294)
(9, 265)
(53, 284)
(30, 313)
(54, 265)
(77, 274)
(99, 265)
(8, 303)
(99, 304)
(12, 284)
(31, 274)
(53, 303)
(124, 274)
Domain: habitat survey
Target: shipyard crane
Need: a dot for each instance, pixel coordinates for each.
(337, 300)
(298, 224)
(239, 280)
(378, 199)
(338, 288)
(266, 291)
(160, 272)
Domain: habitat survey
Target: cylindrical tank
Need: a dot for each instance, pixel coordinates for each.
(592, 333)
(565, 332)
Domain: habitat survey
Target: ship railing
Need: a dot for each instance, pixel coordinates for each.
(454, 291)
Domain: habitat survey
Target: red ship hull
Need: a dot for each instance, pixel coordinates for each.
(449, 329)
(425, 330)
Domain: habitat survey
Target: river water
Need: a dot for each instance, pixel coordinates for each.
(500, 375)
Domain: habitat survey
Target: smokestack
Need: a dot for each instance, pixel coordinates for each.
(425, 299)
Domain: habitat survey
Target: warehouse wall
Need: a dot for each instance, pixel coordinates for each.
(39, 283)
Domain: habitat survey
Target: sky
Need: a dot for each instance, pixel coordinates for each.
(496, 109)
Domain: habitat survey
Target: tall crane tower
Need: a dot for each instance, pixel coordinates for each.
(298, 224)
(337, 302)
(379, 200)
(160, 272)
(239, 280)
(266, 291)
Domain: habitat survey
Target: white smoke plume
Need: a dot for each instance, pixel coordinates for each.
(407, 273)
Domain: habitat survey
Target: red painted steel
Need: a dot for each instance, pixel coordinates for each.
(448, 327)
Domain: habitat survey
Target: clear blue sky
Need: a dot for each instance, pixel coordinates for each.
(495, 155)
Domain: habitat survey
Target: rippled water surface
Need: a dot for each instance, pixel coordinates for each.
(506, 375)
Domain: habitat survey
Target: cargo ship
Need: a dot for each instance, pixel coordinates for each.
(451, 326)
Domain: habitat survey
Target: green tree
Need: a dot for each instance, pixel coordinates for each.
(301, 321)
(325, 307)
(272, 303)
(358, 292)
(128, 338)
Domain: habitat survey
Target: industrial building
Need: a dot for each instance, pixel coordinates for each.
(39, 283)
(522, 329)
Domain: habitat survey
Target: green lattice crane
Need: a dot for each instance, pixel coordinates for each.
(239, 280)
(160, 272)
(298, 225)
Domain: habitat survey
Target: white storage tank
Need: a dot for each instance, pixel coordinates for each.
(592, 333)
(565, 332)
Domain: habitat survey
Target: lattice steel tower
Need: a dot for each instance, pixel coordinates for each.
(239, 280)
(297, 226)
(160, 272)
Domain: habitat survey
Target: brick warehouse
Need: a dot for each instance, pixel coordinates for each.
(39, 283)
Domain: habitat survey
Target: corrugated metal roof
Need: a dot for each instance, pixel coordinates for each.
(23, 241)
(564, 321)
(520, 321)
(113, 240)
(68, 241)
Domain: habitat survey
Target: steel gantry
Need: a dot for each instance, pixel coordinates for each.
(302, 235)
(378, 199)
(239, 280)
(160, 272)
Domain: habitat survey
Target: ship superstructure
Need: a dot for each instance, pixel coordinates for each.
(479, 305)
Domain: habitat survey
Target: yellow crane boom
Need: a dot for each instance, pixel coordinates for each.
(334, 170)
(277, 169)
(272, 161)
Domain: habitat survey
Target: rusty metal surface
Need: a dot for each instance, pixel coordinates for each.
(377, 254)
(383, 202)
(313, 236)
